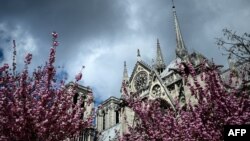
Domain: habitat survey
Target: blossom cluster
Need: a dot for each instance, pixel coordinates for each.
(35, 108)
(215, 107)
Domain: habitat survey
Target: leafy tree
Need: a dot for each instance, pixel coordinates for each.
(235, 46)
(203, 120)
(36, 108)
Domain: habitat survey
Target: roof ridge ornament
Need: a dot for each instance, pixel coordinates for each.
(138, 55)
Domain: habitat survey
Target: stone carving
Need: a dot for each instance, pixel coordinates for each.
(156, 90)
(140, 80)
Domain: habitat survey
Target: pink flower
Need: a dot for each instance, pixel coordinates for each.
(55, 43)
(6, 66)
(54, 34)
(78, 76)
(31, 100)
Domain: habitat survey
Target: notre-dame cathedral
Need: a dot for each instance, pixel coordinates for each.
(157, 81)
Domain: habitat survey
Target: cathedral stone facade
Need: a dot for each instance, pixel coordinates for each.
(157, 81)
(83, 92)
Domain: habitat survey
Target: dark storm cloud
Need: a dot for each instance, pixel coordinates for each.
(75, 20)
(101, 34)
(85, 17)
(201, 22)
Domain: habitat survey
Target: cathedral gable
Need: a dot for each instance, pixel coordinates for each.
(157, 90)
(140, 76)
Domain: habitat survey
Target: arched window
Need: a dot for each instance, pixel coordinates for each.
(103, 121)
(81, 136)
(75, 98)
(117, 117)
(164, 105)
(85, 137)
(82, 106)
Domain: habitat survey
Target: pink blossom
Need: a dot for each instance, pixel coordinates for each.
(31, 109)
(54, 34)
(78, 76)
(55, 43)
(204, 120)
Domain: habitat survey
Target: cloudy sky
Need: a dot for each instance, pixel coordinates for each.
(101, 34)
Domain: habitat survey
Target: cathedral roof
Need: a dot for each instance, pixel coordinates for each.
(142, 63)
(110, 134)
(195, 58)
(80, 88)
(173, 65)
(112, 98)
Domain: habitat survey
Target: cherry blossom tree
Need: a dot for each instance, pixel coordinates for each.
(215, 107)
(35, 107)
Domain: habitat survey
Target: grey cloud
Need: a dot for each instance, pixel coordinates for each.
(101, 34)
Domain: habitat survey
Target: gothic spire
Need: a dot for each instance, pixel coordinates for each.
(125, 78)
(125, 72)
(159, 62)
(181, 50)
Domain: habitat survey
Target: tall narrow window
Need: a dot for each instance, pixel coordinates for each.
(81, 136)
(103, 121)
(75, 98)
(82, 106)
(85, 137)
(83, 103)
(117, 117)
